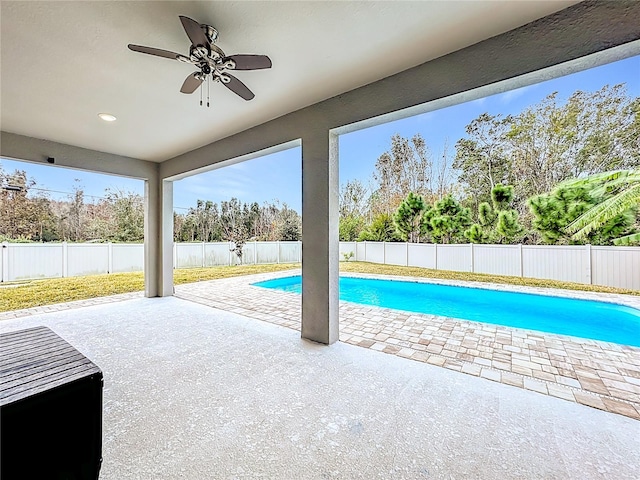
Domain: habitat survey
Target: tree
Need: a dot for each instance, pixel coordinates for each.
(407, 217)
(234, 226)
(23, 215)
(381, 229)
(590, 133)
(406, 167)
(353, 199)
(76, 214)
(498, 222)
(483, 158)
(127, 216)
(445, 220)
(353, 210)
(289, 225)
(547, 143)
(623, 190)
(555, 211)
(350, 228)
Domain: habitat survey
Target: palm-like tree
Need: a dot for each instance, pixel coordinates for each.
(624, 186)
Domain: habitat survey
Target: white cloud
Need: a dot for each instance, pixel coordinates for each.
(508, 97)
(478, 101)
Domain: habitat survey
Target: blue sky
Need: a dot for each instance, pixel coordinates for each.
(278, 176)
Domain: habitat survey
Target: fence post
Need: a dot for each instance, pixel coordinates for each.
(4, 274)
(589, 266)
(230, 253)
(65, 260)
(109, 257)
(435, 254)
(300, 251)
(407, 254)
(175, 255)
(384, 253)
(521, 260)
(472, 259)
(278, 247)
(202, 263)
(365, 250)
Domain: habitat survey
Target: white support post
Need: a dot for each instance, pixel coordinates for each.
(255, 252)
(365, 250)
(110, 257)
(159, 254)
(203, 255)
(65, 260)
(589, 265)
(384, 253)
(278, 248)
(230, 255)
(320, 245)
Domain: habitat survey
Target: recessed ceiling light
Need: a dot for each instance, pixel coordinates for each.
(107, 117)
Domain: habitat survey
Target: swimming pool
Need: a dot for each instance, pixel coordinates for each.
(603, 321)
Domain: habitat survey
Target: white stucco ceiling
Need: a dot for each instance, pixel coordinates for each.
(64, 62)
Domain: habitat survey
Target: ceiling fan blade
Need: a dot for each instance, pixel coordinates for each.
(194, 31)
(191, 83)
(154, 51)
(237, 87)
(250, 62)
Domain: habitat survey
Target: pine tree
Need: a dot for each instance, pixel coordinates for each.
(498, 223)
(446, 220)
(578, 211)
(407, 217)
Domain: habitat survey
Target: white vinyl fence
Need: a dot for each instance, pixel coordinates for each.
(609, 266)
(27, 261)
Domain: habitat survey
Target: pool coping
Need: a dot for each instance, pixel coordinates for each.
(598, 374)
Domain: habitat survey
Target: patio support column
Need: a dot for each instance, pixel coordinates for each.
(320, 237)
(158, 237)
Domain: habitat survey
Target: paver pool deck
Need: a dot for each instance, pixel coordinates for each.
(602, 375)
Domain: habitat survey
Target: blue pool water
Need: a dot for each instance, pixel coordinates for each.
(580, 318)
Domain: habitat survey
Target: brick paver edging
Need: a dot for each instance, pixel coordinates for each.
(598, 374)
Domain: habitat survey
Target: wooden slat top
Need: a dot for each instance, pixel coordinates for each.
(35, 360)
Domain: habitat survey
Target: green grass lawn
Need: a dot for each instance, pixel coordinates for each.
(46, 292)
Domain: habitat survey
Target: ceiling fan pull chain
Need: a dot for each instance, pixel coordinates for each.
(200, 97)
(208, 86)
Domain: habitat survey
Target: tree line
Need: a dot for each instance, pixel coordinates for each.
(236, 221)
(526, 178)
(27, 214)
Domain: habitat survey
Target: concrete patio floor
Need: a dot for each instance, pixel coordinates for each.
(196, 392)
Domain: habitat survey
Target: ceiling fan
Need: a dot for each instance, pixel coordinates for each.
(212, 62)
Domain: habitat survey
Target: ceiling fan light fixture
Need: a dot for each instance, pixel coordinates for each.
(107, 117)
